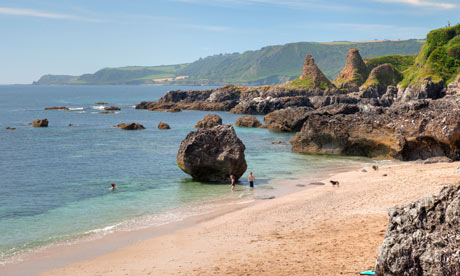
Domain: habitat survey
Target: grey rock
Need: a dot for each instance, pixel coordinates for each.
(423, 237)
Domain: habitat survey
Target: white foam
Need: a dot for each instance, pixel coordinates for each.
(98, 107)
(75, 108)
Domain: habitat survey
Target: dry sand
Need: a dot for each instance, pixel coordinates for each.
(322, 230)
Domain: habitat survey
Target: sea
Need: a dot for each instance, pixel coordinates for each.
(55, 181)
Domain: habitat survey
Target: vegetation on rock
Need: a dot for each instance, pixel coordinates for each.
(439, 58)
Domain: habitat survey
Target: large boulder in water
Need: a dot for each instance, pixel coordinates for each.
(209, 121)
(423, 237)
(212, 154)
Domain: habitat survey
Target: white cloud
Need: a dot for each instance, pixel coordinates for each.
(422, 3)
(42, 14)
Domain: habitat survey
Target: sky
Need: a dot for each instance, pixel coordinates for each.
(74, 37)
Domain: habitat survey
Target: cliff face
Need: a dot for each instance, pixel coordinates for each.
(355, 72)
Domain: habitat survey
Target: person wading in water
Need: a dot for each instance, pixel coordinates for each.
(251, 180)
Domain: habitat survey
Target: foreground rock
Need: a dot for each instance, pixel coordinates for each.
(40, 123)
(212, 155)
(423, 237)
(248, 121)
(131, 126)
(209, 121)
(57, 108)
(163, 125)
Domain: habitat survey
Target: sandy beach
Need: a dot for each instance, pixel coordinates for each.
(322, 230)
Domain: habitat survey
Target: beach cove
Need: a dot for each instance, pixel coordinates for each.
(324, 230)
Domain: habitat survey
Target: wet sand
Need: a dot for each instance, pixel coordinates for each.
(322, 230)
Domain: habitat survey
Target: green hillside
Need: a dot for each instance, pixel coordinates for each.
(269, 65)
(438, 59)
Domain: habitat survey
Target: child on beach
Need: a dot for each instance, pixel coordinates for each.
(251, 180)
(232, 178)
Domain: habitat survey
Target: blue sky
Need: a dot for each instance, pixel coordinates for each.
(75, 37)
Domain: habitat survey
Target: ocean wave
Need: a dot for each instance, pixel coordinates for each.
(98, 107)
(75, 108)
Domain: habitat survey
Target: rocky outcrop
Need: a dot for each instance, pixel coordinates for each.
(292, 119)
(209, 121)
(163, 125)
(426, 90)
(40, 123)
(174, 109)
(261, 106)
(212, 154)
(311, 72)
(423, 237)
(454, 87)
(379, 79)
(101, 103)
(131, 126)
(406, 131)
(10, 128)
(111, 108)
(287, 120)
(57, 108)
(354, 74)
(248, 121)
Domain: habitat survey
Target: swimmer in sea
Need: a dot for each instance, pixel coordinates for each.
(114, 186)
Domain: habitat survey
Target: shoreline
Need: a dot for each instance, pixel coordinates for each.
(82, 248)
(319, 231)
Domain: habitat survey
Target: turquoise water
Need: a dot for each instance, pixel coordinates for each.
(55, 181)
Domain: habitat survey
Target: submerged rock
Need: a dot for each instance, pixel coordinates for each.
(40, 123)
(131, 126)
(212, 154)
(111, 108)
(423, 237)
(209, 121)
(248, 121)
(57, 108)
(163, 125)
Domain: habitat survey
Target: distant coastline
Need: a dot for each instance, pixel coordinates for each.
(270, 65)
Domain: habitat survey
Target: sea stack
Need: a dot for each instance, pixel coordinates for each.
(312, 72)
(212, 154)
(355, 72)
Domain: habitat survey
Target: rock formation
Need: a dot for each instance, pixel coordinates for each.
(10, 128)
(406, 131)
(131, 126)
(174, 109)
(378, 81)
(163, 125)
(57, 108)
(111, 108)
(423, 237)
(209, 121)
(101, 103)
(212, 154)
(248, 121)
(311, 72)
(40, 123)
(292, 119)
(354, 74)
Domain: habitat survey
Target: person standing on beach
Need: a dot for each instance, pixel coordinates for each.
(251, 180)
(232, 178)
